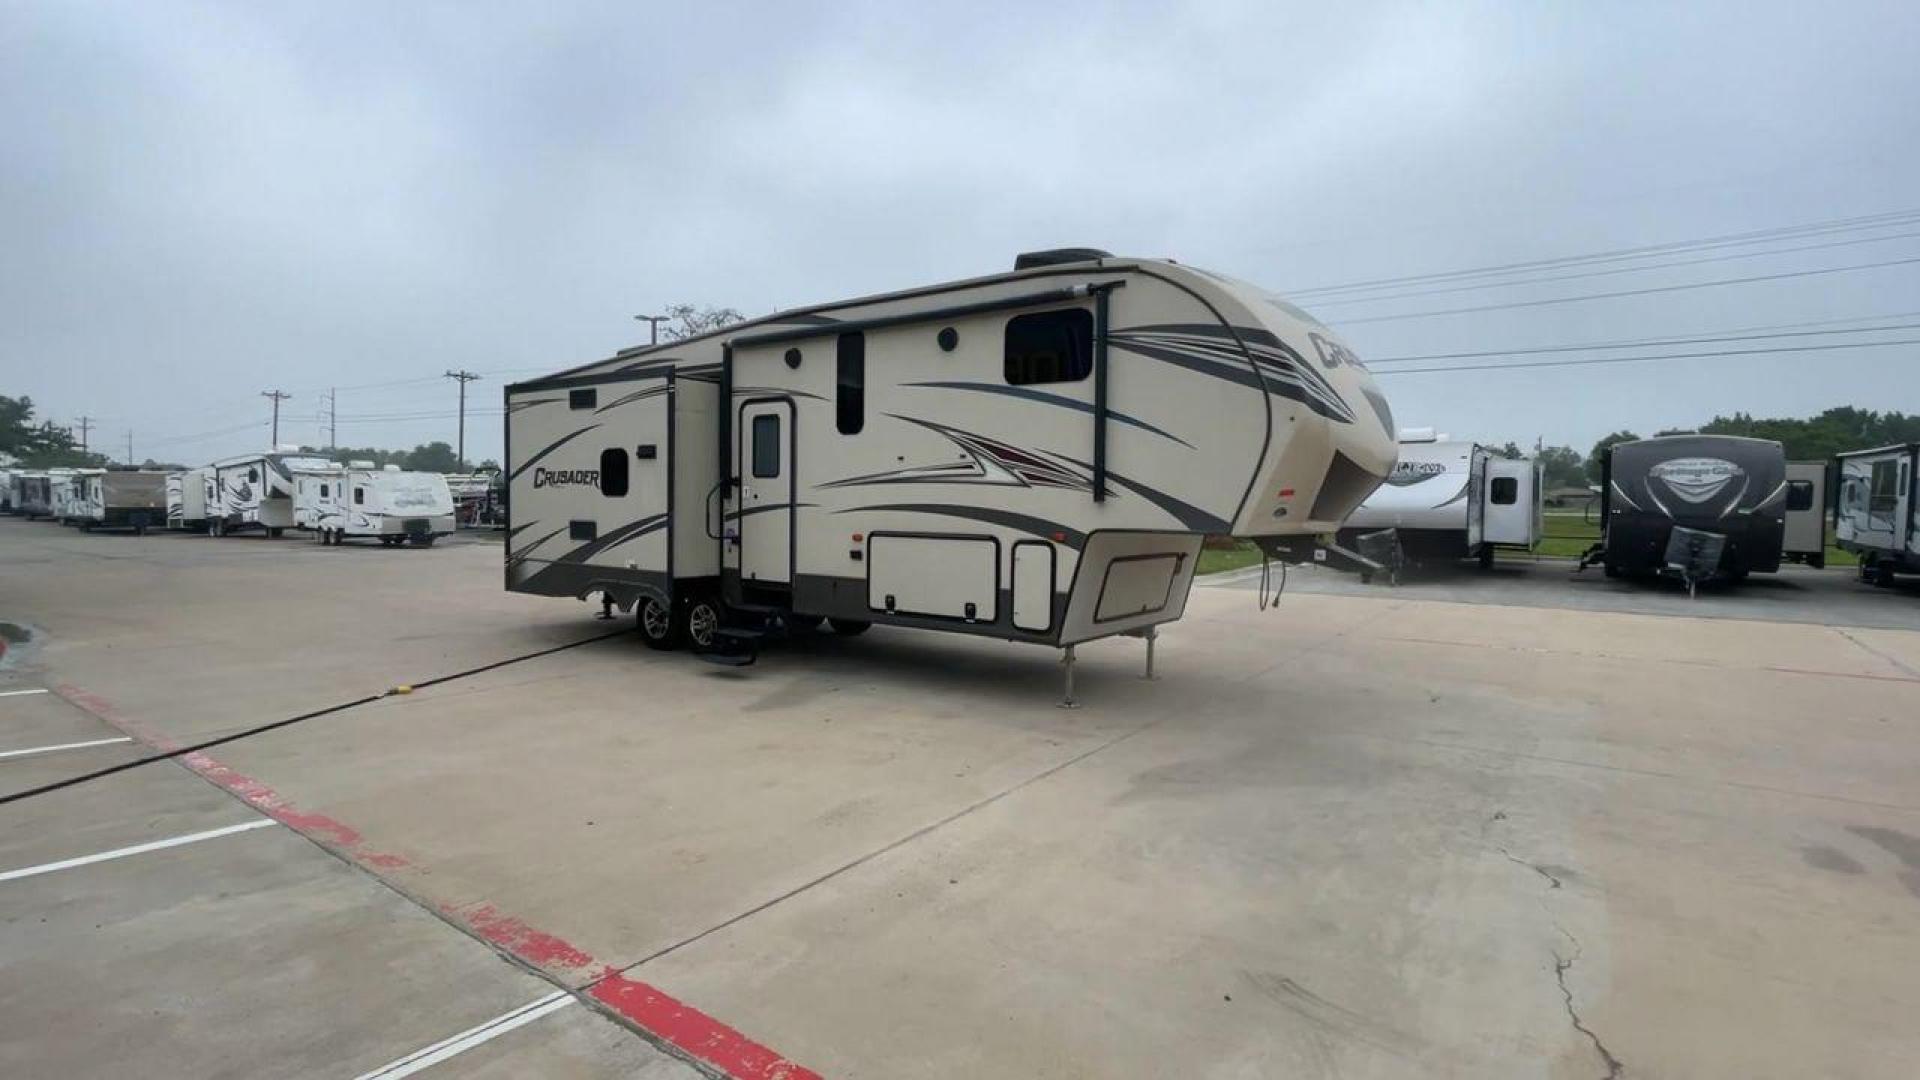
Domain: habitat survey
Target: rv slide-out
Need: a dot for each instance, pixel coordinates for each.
(1877, 515)
(1034, 456)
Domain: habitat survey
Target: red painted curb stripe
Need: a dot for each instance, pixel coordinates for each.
(644, 1006)
(694, 1031)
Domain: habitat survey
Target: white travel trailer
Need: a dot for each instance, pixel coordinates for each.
(1878, 516)
(120, 499)
(9, 496)
(33, 494)
(63, 494)
(1034, 456)
(255, 491)
(394, 506)
(188, 495)
(1452, 499)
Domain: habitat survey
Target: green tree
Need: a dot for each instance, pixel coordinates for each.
(693, 321)
(1511, 451)
(1561, 467)
(40, 446)
(1601, 447)
(434, 457)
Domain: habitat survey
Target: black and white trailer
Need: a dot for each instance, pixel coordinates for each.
(120, 499)
(1877, 517)
(255, 491)
(1035, 456)
(1449, 499)
(1696, 506)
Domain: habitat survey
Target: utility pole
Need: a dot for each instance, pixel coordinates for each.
(86, 423)
(653, 323)
(277, 398)
(333, 418)
(129, 448)
(463, 378)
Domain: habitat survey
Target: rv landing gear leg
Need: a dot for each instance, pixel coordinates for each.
(606, 606)
(1152, 634)
(1066, 663)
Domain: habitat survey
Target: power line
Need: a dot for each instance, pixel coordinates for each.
(1638, 359)
(1644, 343)
(1899, 217)
(1632, 292)
(1616, 270)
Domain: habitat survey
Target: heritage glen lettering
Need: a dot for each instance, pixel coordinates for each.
(566, 477)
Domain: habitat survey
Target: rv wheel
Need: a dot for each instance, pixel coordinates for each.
(1486, 556)
(423, 541)
(806, 624)
(656, 624)
(702, 623)
(1883, 575)
(274, 534)
(849, 627)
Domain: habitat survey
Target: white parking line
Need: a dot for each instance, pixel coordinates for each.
(4, 754)
(470, 1038)
(17, 693)
(137, 849)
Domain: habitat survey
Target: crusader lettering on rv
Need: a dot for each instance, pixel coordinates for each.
(1696, 479)
(1409, 473)
(566, 478)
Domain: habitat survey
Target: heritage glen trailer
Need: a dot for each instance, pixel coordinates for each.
(393, 506)
(188, 495)
(255, 491)
(1721, 498)
(121, 499)
(62, 494)
(1452, 499)
(1878, 514)
(1034, 456)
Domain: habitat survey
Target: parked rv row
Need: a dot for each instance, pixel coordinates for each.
(267, 493)
(1696, 507)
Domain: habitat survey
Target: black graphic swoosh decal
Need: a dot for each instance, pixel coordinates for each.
(562, 441)
(1051, 399)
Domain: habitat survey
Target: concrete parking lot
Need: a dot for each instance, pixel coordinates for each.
(1367, 833)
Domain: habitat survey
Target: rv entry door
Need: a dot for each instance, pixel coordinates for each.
(765, 524)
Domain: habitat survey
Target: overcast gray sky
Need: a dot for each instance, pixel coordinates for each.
(201, 201)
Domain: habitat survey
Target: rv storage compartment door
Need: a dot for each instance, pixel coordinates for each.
(1136, 585)
(949, 577)
(1033, 585)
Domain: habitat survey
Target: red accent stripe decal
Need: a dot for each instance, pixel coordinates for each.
(640, 1004)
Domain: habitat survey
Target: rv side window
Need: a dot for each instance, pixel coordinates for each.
(359, 496)
(613, 472)
(766, 445)
(1799, 495)
(1049, 347)
(253, 475)
(323, 491)
(1506, 490)
(1883, 492)
(850, 386)
(583, 399)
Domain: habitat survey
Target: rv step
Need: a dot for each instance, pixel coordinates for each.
(740, 634)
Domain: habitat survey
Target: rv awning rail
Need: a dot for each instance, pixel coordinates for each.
(851, 326)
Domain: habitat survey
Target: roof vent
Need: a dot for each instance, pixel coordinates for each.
(1028, 260)
(1419, 435)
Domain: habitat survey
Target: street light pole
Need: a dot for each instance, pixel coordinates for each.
(463, 377)
(653, 323)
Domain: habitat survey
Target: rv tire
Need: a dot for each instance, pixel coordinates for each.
(700, 622)
(849, 627)
(1883, 575)
(657, 625)
(424, 541)
(1486, 556)
(806, 624)
(274, 534)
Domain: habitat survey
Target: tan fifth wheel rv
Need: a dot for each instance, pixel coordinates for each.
(1034, 456)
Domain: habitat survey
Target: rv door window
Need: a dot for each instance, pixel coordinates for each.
(1884, 491)
(766, 445)
(850, 385)
(1049, 347)
(613, 472)
(1506, 490)
(1799, 495)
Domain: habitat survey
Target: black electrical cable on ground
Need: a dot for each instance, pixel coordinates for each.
(291, 720)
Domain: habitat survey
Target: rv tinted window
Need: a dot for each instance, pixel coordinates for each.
(850, 384)
(766, 445)
(613, 472)
(1883, 493)
(583, 399)
(1506, 489)
(359, 496)
(323, 491)
(1050, 346)
(1799, 495)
